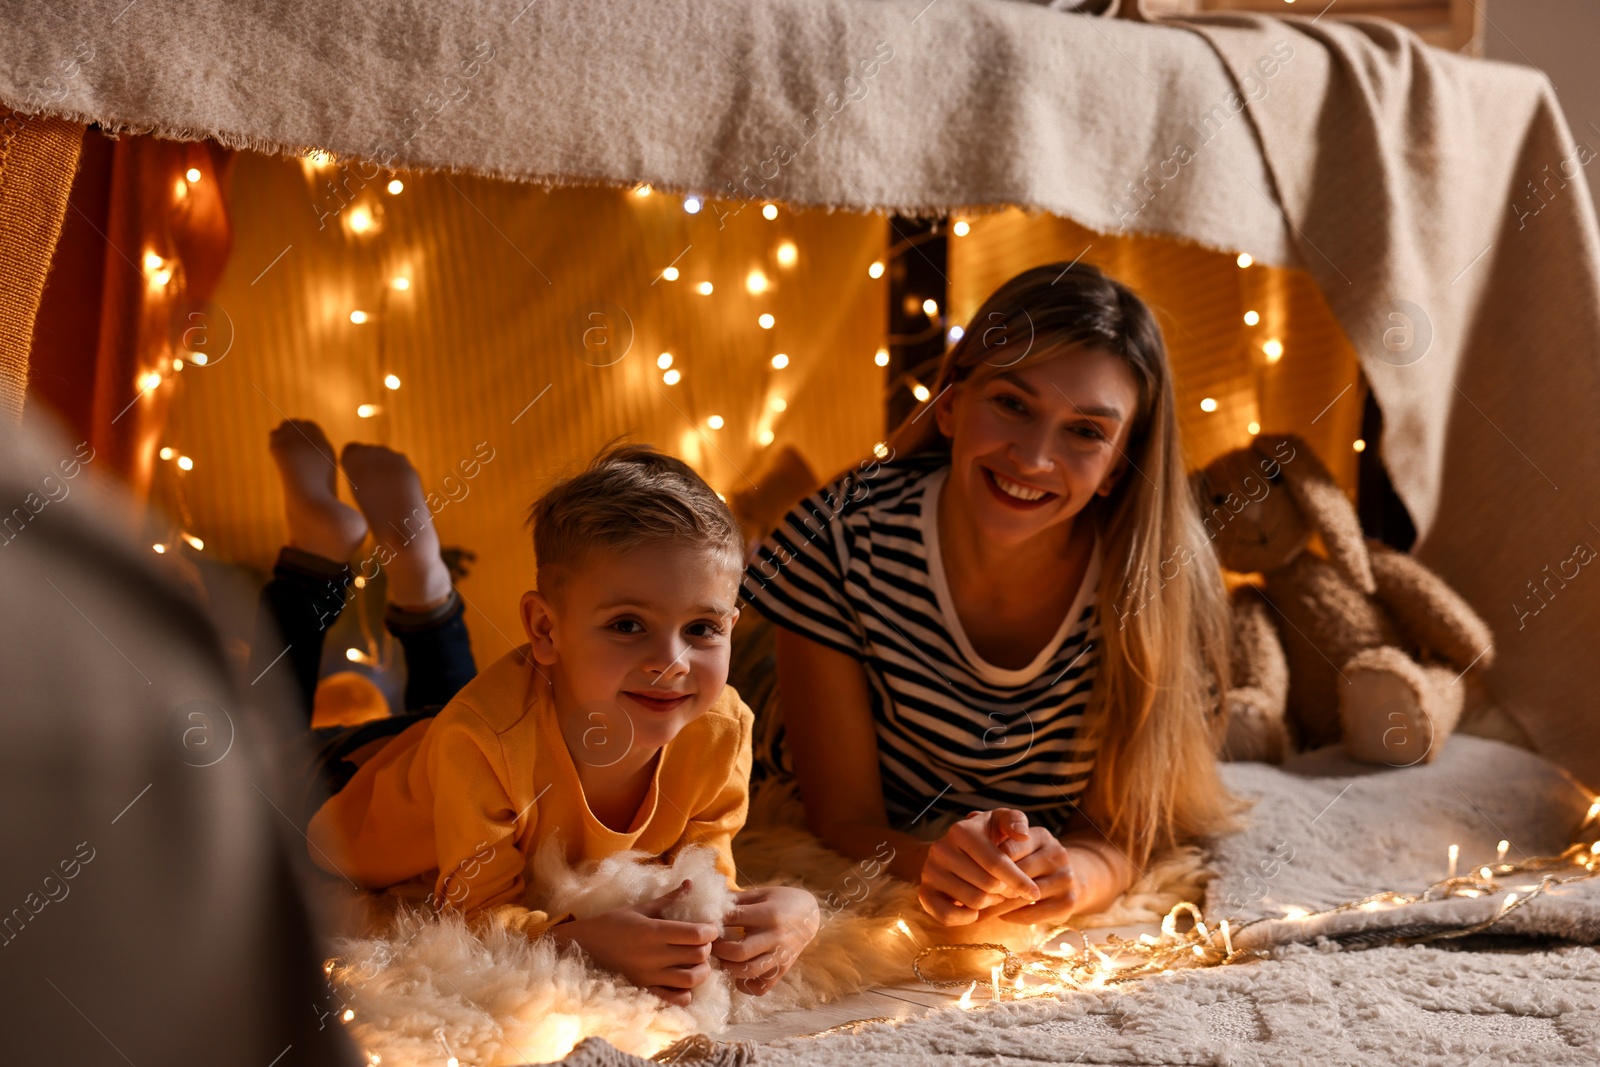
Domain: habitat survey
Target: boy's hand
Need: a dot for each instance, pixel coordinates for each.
(973, 867)
(665, 957)
(779, 922)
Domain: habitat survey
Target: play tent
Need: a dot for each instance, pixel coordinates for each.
(1430, 205)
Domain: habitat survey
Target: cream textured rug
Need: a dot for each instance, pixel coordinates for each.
(1396, 1006)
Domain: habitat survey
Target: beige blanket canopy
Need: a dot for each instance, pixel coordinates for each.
(1439, 202)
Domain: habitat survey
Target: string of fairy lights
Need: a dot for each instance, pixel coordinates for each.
(362, 218)
(1045, 971)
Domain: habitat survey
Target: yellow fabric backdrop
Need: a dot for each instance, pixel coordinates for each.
(502, 280)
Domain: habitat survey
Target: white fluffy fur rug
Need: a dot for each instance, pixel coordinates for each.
(422, 989)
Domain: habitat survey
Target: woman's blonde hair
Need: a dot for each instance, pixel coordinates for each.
(1163, 672)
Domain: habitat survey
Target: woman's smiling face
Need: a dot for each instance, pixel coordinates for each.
(1031, 445)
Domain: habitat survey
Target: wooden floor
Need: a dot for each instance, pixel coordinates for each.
(891, 1002)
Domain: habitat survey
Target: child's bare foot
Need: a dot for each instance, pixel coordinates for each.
(389, 493)
(319, 522)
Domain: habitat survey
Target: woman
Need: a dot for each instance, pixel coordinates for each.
(941, 649)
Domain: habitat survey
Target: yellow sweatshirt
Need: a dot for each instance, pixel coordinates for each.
(473, 792)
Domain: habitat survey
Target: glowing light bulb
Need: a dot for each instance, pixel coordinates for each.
(360, 219)
(670, 274)
(158, 549)
(881, 357)
(692, 204)
(149, 380)
(400, 283)
(396, 187)
(961, 229)
(920, 391)
(715, 422)
(1252, 317)
(965, 1003)
(780, 361)
(954, 334)
(162, 276)
(881, 450)
(672, 377)
(354, 655)
(1454, 854)
(779, 404)
(361, 582)
(358, 317)
(199, 359)
(193, 174)
(766, 321)
(766, 437)
(1208, 404)
(185, 463)
(755, 282)
(167, 453)
(1274, 350)
(769, 212)
(664, 360)
(641, 190)
(194, 542)
(1359, 445)
(1253, 427)
(900, 925)
(152, 261)
(1500, 851)
(366, 411)
(391, 381)
(787, 254)
(177, 364)
(704, 288)
(875, 270)
(349, 1013)
(930, 307)
(1244, 259)
(180, 188)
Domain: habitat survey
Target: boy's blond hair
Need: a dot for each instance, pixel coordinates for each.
(629, 495)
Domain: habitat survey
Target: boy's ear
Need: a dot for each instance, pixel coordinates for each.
(538, 622)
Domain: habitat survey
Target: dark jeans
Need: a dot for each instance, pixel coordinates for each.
(304, 598)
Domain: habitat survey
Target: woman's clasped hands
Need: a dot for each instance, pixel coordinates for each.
(993, 864)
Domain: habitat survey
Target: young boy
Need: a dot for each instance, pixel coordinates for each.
(611, 729)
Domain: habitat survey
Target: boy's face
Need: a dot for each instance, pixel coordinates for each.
(638, 644)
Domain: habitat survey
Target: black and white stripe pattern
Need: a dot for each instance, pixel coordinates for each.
(851, 567)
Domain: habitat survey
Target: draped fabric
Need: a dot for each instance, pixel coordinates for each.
(37, 157)
(141, 250)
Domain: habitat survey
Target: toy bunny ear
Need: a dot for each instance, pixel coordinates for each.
(1323, 504)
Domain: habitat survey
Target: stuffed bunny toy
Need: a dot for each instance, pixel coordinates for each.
(1363, 645)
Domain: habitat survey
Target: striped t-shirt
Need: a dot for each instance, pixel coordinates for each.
(856, 567)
